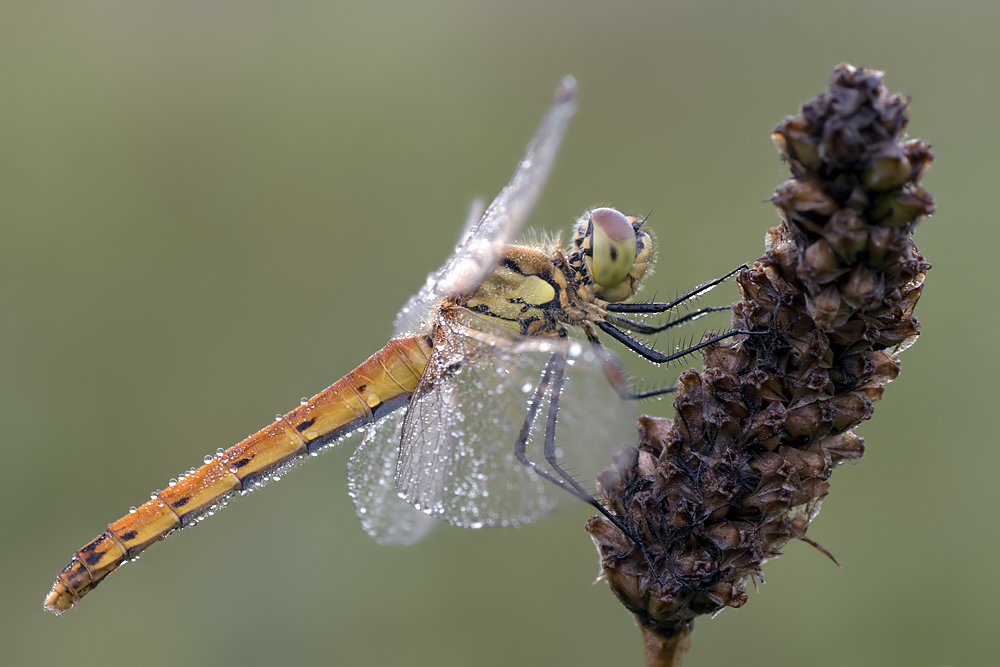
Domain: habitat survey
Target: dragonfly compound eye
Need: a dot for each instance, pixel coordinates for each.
(612, 247)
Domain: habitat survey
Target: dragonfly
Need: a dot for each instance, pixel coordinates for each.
(459, 410)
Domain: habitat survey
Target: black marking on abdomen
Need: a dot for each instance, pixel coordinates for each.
(130, 535)
(92, 545)
(327, 438)
(304, 425)
(192, 516)
(180, 502)
(387, 407)
(378, 412)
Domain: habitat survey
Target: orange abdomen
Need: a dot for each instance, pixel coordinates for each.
(377, 387)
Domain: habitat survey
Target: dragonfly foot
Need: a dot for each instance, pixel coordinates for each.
(635, 540)
(649, 562)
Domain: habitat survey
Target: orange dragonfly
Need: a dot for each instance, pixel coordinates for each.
(450, 408)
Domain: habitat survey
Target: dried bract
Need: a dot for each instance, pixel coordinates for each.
(745, 463)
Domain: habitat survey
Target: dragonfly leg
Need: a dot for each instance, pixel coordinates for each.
(553, 377)
(658, 357)
(617, 376)
(650, 393)
(558, 363)
(643, 328)
(660, 307)
(520, 447)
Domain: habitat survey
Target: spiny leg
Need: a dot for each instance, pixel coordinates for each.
(608, 326)
(643, 328)
(549, 449)
(649, 393)
(616, 375)
(553, 376)
(656, 307)
(520, 447)
(658, 357)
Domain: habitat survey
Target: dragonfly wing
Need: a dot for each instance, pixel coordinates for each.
(479, 252)
(457, 454)
(370, 480)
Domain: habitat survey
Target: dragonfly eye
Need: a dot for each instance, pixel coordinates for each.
(612, 247)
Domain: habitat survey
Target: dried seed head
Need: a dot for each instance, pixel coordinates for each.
(744, 465)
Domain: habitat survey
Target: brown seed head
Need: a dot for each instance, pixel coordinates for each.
(745, 464)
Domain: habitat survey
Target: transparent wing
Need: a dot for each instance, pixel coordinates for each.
(370, 481)
(479, 252)
(457, 460)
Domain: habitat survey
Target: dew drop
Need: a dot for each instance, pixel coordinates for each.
(132, 510)
(208, 458)
(219, 451)
(303, 400)
(172, 482)
(233, 469)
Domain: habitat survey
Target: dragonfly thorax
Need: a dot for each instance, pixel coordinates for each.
(536, 291)
(526, 292)
(610, 254)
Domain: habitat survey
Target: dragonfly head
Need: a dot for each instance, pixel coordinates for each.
(611, 253)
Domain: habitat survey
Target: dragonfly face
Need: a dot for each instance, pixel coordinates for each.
(459, 409)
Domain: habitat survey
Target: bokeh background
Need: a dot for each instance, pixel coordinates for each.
(208, 210)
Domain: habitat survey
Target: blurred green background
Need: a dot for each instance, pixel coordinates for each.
(208, 210)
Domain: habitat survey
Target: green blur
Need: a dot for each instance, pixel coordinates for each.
(210, 210)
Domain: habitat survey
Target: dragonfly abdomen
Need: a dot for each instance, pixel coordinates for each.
(377, 387)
